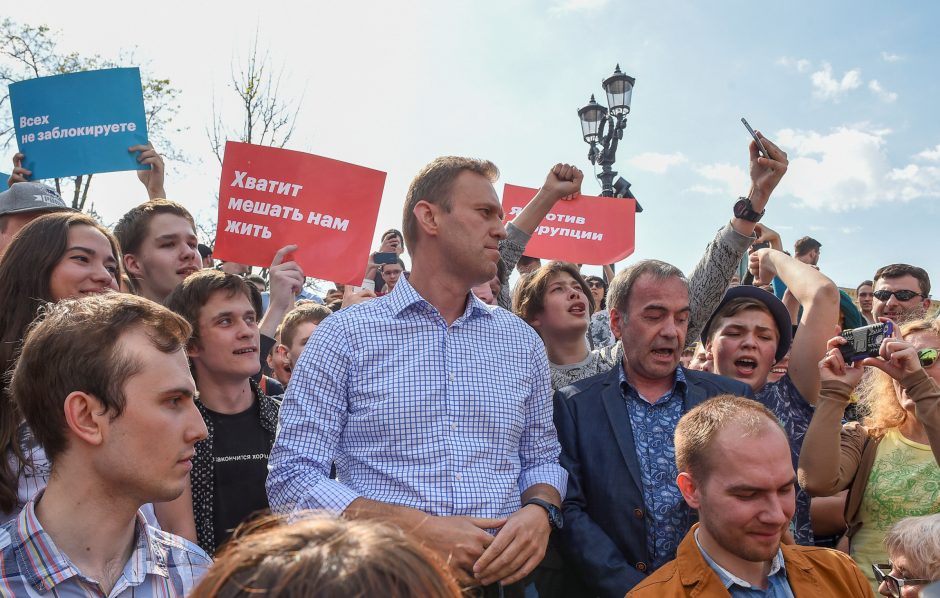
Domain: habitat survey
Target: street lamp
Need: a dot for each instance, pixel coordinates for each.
(602, 128)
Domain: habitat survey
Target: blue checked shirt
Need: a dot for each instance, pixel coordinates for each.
(162, 565)
(654, 426)
(777, 584)
(449, 420)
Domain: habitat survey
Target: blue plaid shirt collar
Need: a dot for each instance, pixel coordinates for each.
(47, 566)
(728, 579)
(404, 298)
(679, 383)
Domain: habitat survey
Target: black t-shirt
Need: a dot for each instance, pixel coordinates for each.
(240, 458)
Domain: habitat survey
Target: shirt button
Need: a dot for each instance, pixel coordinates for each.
(638, 513)
(452, 376)
(641, 567)
(458, 477)
(453, 426)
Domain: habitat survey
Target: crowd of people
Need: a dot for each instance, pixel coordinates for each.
(173, 426)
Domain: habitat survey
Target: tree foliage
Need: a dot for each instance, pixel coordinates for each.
(30, 51)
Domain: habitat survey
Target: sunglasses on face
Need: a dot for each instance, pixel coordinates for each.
(595, 285)
(928, 357)
(894, 583)
(904, 295)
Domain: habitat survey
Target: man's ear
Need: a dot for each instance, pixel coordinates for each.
(86, 417)
(133, 266)
(708, 351)
(426, 215)
(689, 488)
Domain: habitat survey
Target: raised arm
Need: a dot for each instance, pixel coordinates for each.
(709, 280)
(819, 297)
(563, 182)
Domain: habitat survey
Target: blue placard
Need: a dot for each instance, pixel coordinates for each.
(80, 123)
(4, 177)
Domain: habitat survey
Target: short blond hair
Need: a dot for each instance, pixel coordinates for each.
(697, 430)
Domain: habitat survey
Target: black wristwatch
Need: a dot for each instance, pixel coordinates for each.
(745, 211)
(555, 518)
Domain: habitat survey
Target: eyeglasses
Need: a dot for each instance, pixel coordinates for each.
(595, 285)
(928, 357)
(894, 583)
(903, 295)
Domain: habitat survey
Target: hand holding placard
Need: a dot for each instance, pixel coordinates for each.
(79, 123)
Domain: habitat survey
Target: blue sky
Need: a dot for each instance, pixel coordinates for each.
(848, 89)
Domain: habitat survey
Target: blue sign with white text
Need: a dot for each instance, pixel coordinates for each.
(4, 178)
(80, 123)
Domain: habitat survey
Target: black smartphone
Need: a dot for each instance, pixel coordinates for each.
(385, 257)
(865, 341)
(760, 145)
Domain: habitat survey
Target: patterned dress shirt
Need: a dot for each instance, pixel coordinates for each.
(450, 420)
(654, 426)
(161, 565)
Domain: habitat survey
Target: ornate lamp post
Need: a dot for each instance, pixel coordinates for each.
(603, 129)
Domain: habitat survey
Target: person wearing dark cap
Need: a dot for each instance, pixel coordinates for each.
(21, 204)
(751, 330)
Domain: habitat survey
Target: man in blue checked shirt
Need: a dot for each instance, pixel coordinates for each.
(435, 407)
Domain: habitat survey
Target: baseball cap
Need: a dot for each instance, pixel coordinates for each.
(777, 309)
(30, 197)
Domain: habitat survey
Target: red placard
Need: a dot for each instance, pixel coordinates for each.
(271, 197)
(587, 230)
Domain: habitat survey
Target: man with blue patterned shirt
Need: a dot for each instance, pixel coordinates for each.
(435, 407)
(624, 515)
(104, 385)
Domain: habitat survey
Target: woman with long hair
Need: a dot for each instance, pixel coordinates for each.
(57, 256)
(889, 460)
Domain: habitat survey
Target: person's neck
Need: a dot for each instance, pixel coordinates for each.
(753, 572)
(91, 522)
(566, 350)
(222, 394)
(869, 317)
(146, 292)
(650, 389)
(440, 287)
(913, 430)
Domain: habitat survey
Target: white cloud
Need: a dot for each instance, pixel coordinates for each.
(826, 87)
(881, 93)
(800, 64)
(733, 178)
(656, 162)
(888, 57)
(569, 6)
(848, 168)
(931, 155)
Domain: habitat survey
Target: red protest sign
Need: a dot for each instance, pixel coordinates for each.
(271, 197)
(588, 230)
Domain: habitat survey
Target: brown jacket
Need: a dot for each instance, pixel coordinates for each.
(812, 573)
(830, 462)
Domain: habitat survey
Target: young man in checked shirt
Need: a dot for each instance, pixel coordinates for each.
(104, 385)
(435, 407)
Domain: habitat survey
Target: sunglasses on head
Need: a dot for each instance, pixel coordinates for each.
(928, 357)
(904, 295)
(894, 583)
